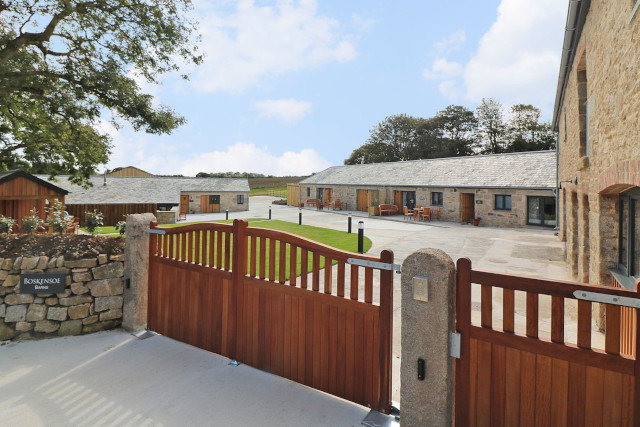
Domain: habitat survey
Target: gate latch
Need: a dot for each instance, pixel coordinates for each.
(607, 299)
(375, 264)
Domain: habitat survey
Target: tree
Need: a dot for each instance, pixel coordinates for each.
(526, 132)
(393, 139)
(491, 127)
(458, 125)
(64, 63)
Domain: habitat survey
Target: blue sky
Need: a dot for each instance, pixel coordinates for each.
(292, 87)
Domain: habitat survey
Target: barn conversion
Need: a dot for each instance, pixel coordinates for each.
(119, 196)
(514, 189)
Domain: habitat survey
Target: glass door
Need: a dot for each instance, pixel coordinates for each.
(541, 211)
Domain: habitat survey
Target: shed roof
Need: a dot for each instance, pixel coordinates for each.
(124, 189)
(6, 176)
(512, 170)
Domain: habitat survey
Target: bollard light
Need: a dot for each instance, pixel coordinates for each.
(349, 225)
(269, 212)
(227, 213)
(299, 216)
(361, 237)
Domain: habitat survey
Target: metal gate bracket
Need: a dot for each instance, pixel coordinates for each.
(156, 231)
(454, 345)
(375, 264)
(607, 299)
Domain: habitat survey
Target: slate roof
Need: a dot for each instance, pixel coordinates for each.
(123, 189)
(512, 170)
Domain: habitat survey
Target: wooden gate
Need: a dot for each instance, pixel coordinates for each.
(467, 207)
(508, 376)
(267, 299)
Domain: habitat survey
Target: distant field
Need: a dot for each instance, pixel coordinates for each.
(276, 186)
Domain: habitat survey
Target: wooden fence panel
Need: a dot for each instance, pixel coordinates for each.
(112, 212)
(510, 377)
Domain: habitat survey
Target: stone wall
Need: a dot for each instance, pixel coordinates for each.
(607, 60)
(228, 200)
(450, 209)
(91, 302)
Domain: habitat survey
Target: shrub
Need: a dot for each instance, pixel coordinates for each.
(6, 224)
(31, 223)
(94, 221)
(58, 218)
(121, 226)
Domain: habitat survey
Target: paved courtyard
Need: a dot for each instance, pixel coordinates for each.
(533, 252)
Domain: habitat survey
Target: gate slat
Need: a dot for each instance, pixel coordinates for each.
(368, 285)
(508, 310)
(227, 251)
(304, 268)
(327, 275)
(486, 309)
(219, 250)
(293, 264)
(340, 290)
(263, 257)
(282, 256)
(557, 319)
(253, 256)
(316, 272)
(272, 260)
(612, 331)
(543, 390)
(584, 324)
(498, 384)
(532, 315)
(354, 282)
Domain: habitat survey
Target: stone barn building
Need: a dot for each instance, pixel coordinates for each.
(597, 117)
(505, 190)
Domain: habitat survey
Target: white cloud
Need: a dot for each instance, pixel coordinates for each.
(253, 41)
(517, 59)
(443, 69)
(140, 150)
(247, 157)
(451, 43)
(287, 110)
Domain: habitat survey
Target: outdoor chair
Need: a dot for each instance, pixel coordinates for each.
(337, 205)
(407, 213)
(425, 214)
(438, 213)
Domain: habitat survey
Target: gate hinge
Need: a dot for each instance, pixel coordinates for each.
(607, 299)
(156, 231)
(375, 264)
(454, 344)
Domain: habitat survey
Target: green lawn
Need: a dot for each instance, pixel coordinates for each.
(337, 239)
(279, 191)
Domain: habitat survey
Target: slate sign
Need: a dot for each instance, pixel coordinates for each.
(39, 283)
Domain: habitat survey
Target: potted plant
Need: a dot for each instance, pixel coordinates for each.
(476, 220)
(319, 204)
(6, 224)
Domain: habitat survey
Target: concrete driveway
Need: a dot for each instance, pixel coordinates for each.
(114, 379)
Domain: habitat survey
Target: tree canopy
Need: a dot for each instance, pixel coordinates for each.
(64, 64)
(456, 131)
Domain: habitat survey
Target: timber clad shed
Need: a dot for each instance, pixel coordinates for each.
(20, 192)
(513, 189)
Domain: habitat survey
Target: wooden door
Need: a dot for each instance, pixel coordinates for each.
(467, 203)
(397, 199)
(209, 204)
(363, 200)
(327, 196)
(184, 203)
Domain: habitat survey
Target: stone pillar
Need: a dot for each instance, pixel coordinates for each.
(583, 238)
(604, 246)
(572, 232)
(426, 328)
(136, 271)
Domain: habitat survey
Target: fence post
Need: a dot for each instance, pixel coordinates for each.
(428, 281)
(136, 271)
(236, 325)
(386, 331)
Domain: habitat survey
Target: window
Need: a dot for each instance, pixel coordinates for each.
(240, 199)
(629, 235)
(541, 210)
(503, 203)
(436, 198)
(214, 200)
(308, 191)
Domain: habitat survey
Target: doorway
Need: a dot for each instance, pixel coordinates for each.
(184, 203)
(467, 203)
(541, 210)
